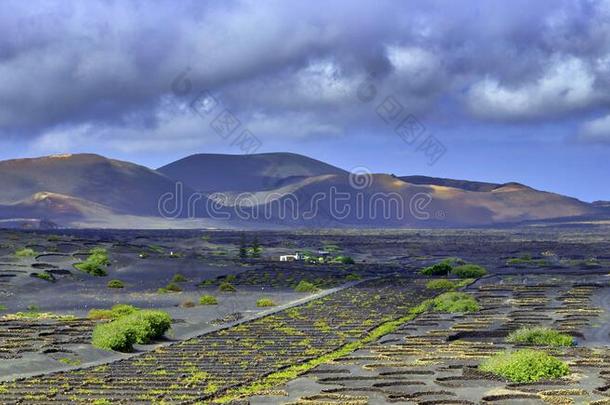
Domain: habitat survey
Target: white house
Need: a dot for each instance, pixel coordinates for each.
(290, 258)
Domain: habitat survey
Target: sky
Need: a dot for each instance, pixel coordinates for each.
(483, 89)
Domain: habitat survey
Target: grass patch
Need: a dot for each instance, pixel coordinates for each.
(25, 252)
(138, 327)
(179, 278)
(116, 312)
(450, 302)
(343, 260)
(438, 269)
(469, 271)
(525, 366)
(44, 276)
(3, 308)
(440, 284)
(208, 300)
(265, 302)
(96, 263)
(70, 362)
(540, 336)
(226, 286)
(115, 284)
(526, 260)
(170, 288)
(305, 286)
(448, 285)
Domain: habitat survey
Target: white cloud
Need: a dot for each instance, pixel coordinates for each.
(596, 131)
(566, 86)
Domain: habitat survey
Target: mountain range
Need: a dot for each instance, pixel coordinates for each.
(262, 190)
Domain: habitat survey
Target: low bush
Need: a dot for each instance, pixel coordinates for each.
(265, 302)
(225, 286)
(525, 366)
(438, 269)
(109, 336)
(451, 302)
(139, 327)
(343, 260)
(440, 284)
(95, 263)
(446, 284)
(540, 336)
(116, 312)
(170, 288)
(454, 261)
(44, 276)
(305, 286)
(25, 252)
(208, 300)
(353, 277)
(179, 278)
(469, 271)
(115, 284)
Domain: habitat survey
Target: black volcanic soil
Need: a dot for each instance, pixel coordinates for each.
(554, 277)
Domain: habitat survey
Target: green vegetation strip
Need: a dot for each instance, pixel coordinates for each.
(292, 372)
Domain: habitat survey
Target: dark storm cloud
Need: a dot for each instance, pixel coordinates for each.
(79, 71)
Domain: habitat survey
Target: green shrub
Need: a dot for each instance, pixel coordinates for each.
(540, 336)
(305, 286)
(100, 314)
(44, 276)
(343, 260)
(453, 302)
(3, 308)
(441, 284)
(265, 302)
(110, 336)
(454, 261)
(525, 366)
(171, 287)
(25, 252)
(115, 284)
(353, 277)
(138, 327)
(148, 324)
(225, 286)
(438, 269)
(206, 283)
(179, 278)
(95, 263)
(208, 300)
(120, 310)
(469, 271)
